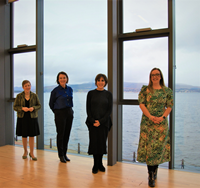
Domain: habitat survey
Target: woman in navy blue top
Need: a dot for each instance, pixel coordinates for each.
(61, 103)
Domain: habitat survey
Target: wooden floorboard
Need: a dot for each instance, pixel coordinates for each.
(48, 171)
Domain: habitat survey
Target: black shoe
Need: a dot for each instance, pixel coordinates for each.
(102, 168)
(100, 163)
(66, 158)
(62, 159)
(151, 179)
(94, 169)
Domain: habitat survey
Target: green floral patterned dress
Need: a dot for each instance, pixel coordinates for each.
(154, 143)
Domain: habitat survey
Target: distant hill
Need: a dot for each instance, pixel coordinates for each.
(19, 89)
(128, 87)
(135, 87)
(187, 88)
(76, 87)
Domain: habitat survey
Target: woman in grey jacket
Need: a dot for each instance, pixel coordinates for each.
(27, 105)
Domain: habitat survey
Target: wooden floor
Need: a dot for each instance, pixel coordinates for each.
(48, 171)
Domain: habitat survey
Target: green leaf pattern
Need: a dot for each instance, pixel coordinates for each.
(154, 142)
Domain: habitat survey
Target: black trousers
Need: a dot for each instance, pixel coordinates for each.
(63, 121)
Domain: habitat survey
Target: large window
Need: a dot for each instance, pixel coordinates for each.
(24, 33)
(140, 56)
(187, 85)
(141, 52)
(75, 42)
(24, 69)
(187, 134)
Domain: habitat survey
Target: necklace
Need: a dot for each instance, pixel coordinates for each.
(27, 96)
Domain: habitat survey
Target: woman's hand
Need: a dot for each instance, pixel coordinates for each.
(160, 119)
(25, 109)
(96, 124)
(31, 109)
(157, 120)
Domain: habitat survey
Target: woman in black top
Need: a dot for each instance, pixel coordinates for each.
(99, 108)
(27, 105)
(61, 104)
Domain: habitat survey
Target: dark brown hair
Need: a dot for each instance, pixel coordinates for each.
(62, 72)
(162, 84)
(25, 82)
(98, 77)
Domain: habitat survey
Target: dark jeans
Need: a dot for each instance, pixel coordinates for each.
(63, 120)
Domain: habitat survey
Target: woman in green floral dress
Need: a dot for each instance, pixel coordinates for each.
(156, 101)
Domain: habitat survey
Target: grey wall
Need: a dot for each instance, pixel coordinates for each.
(6, 113)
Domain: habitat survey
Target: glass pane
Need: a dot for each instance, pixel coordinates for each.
(144, 13)
(24, 22)
(131, 130)
(187, 133)
(24, 69)
(140, 56)
(75, 42)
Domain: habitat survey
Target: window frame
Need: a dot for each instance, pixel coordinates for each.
(38, 48)
(116, 37)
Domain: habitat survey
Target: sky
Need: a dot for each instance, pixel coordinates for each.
(75, 40)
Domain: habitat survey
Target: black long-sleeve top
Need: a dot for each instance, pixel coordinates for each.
(99, 107)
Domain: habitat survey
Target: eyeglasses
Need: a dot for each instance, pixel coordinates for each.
(155, 75)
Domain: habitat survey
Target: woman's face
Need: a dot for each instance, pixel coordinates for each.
(155, 77)
(100, 84)
(27, 87)
(62, 79)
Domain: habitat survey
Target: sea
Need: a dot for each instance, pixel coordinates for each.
(187, 128)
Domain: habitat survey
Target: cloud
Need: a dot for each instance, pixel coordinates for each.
(75, 40)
